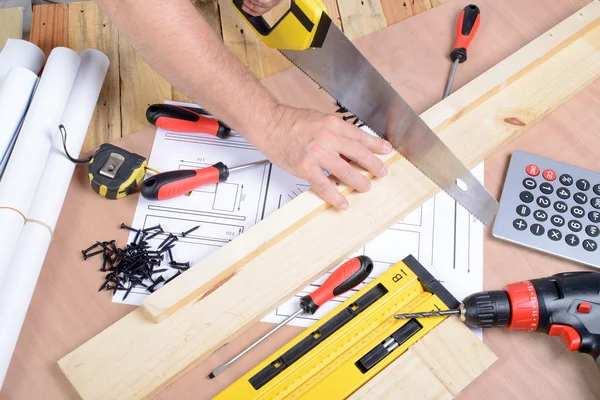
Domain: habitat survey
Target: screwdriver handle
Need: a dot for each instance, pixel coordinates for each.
(185, 119)
(346, 277)
(171, 184)
(466, 28)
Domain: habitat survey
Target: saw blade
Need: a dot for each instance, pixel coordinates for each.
(342, 71)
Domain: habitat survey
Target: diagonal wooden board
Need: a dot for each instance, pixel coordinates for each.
(516, 94)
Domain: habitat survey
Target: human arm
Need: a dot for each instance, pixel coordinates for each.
(181, 46)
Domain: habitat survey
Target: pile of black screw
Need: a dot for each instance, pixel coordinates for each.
(342, 110)
(130, 267)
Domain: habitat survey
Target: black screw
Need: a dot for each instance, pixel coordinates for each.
(184, 234)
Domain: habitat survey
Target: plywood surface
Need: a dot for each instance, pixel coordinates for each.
(11, 24)
(66, 310)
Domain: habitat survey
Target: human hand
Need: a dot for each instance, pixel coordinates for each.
(259, 7)
(308, 143)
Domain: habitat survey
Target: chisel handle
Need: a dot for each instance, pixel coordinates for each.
(171, 184)
(466, 28)
(185, 119)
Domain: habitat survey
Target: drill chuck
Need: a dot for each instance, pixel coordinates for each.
(486, 309)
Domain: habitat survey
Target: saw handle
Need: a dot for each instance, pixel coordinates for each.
(466, 28)
(297, 29)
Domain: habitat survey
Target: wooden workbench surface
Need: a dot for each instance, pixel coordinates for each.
(66, 310)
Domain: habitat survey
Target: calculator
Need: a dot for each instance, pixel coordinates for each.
(552, 207)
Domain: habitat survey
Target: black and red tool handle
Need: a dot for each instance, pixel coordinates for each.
(466, 28)
(346, 277)
(565, 305)
(185, 119)
(168, 185)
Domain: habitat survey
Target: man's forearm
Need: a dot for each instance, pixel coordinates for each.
(181, 46)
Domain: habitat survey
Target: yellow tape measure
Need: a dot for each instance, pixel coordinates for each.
(115, 173)
(351, 344)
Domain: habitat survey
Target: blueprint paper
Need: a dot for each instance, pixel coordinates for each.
(445, 238)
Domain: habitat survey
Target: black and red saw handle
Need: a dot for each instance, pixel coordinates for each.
(347, 276)
(168, 185)
(466, 28)
(185, 119)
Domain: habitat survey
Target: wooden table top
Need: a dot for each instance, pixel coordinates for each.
(66, 310)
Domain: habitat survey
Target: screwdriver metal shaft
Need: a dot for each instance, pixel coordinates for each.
(440, 313)
(451, 78)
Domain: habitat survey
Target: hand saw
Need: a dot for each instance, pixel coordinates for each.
(308, 38)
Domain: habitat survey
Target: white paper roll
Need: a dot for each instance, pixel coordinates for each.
(27, 269)
(32, 247)
(15, 96)
(27, 161)
(20, 53)
(78, 113)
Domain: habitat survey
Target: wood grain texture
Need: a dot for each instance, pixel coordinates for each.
(140, 87)
(11, 24)
(90, 27)
(247, 46)
(50, 26)
(210, 293)
(361, 17)
(396, 11)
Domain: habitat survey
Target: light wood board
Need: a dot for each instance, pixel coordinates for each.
(11, 24)
(226, 292)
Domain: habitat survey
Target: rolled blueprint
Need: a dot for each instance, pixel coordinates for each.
(20, 53)
(29, 255)
(15, 96)
(27, 161)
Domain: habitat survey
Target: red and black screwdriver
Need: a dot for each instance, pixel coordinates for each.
(167, 185)
(186, 119)
(347, 276)
(466, 28)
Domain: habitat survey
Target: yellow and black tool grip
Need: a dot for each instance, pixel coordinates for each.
(304, 25)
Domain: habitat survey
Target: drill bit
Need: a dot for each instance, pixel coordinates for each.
(440, 313)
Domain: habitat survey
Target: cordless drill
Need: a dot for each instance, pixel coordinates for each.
(565, 305)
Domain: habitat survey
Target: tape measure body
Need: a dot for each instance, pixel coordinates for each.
(115, 173)
(350, 345)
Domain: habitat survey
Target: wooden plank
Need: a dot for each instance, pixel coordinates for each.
(11, 24)
(506, 101)
(419, 6)
(247, 46)
(396, 11)
(361, 17)
(141, 86)
(90, 27)
(210, 11)
(49, 26)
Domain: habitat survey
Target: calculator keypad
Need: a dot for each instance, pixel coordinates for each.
(551, 206)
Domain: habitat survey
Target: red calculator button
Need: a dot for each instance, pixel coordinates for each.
(549, 175)
(584, 307)
(532, 170)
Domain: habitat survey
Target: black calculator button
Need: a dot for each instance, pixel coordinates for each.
(582, 184)
(520, 224)
(554, 234)
(592, 230)
(572, 240)
(561, 206)
(597, 189)
(580, 198)
(524, 211)
(578, 212)
(529, 183)
(563, 193)
(546, 188)
(595, 202)
(537, 229)
(590, 245)
(575, 226)
(566, 180)
(526, 197)
(594, 216)
(540, 215)
(543, 202)
(557, 220)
